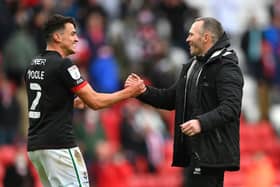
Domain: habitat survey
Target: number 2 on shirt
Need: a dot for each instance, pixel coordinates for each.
(32, 112)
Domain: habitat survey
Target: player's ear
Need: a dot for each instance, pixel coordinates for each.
(56, 37)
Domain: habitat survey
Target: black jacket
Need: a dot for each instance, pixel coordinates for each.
(214, 98)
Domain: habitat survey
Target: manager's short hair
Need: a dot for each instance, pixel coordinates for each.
(55, 23)
(212, 25)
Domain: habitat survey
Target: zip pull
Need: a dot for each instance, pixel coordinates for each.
(196, 156)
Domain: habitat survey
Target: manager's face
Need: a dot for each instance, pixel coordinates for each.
(195, 39)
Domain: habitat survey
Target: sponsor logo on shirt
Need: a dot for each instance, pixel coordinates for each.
(38, 62)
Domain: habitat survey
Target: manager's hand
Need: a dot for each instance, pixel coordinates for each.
(191, 127)
(133, 79)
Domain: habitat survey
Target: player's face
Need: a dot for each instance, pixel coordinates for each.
(69, 39)
(195, 39)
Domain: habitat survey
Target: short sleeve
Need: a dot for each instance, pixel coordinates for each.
(71, 76)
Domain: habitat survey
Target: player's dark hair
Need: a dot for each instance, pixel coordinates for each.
(55, 23)
(212, 25)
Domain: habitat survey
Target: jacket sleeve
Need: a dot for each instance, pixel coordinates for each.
(229, 85)
(159, 98)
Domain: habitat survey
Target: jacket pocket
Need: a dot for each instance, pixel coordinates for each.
(212, 150)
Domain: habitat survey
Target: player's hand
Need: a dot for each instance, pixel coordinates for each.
(79, 104)
(135, 83)
(131, 79)
(191, 127)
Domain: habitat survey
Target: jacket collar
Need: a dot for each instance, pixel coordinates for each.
(216, 49)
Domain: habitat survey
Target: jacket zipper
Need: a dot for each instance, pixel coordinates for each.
(186, 82)
(218, 136)
(217, 53)
(185, 91)
(186, 76)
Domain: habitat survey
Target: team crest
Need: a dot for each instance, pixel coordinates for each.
(74, 72)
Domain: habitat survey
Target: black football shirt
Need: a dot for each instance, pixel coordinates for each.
(50, 83)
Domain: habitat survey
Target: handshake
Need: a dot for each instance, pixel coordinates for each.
(135, 85)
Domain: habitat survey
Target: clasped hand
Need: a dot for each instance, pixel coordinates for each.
(134, 80)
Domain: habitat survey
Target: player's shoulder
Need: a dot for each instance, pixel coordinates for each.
(53, 56)
(55, 60)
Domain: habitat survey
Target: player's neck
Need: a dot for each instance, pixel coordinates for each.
(56, 48)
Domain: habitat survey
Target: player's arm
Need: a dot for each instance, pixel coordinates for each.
(72, 78)
(97, 100)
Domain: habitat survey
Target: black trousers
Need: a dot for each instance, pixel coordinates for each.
(204, 177)
(196, 176)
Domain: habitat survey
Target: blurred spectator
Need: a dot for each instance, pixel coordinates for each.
(94, 30)
(19, 48)
(89, 132)
(180, 16)
(143, 135)
(112, 7)
(153, 127)
(18, 173)
(271, 58)
(7, 22)
(158, 64)
(104, 71)
(17, 53)
(36, 24)
(67, 8)
(272, 45)
(132, 138)
(251, 44)
(137, 38)
(118, 39)
(146, 32)
(9, 112)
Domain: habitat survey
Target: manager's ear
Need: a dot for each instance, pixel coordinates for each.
(206, 37)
